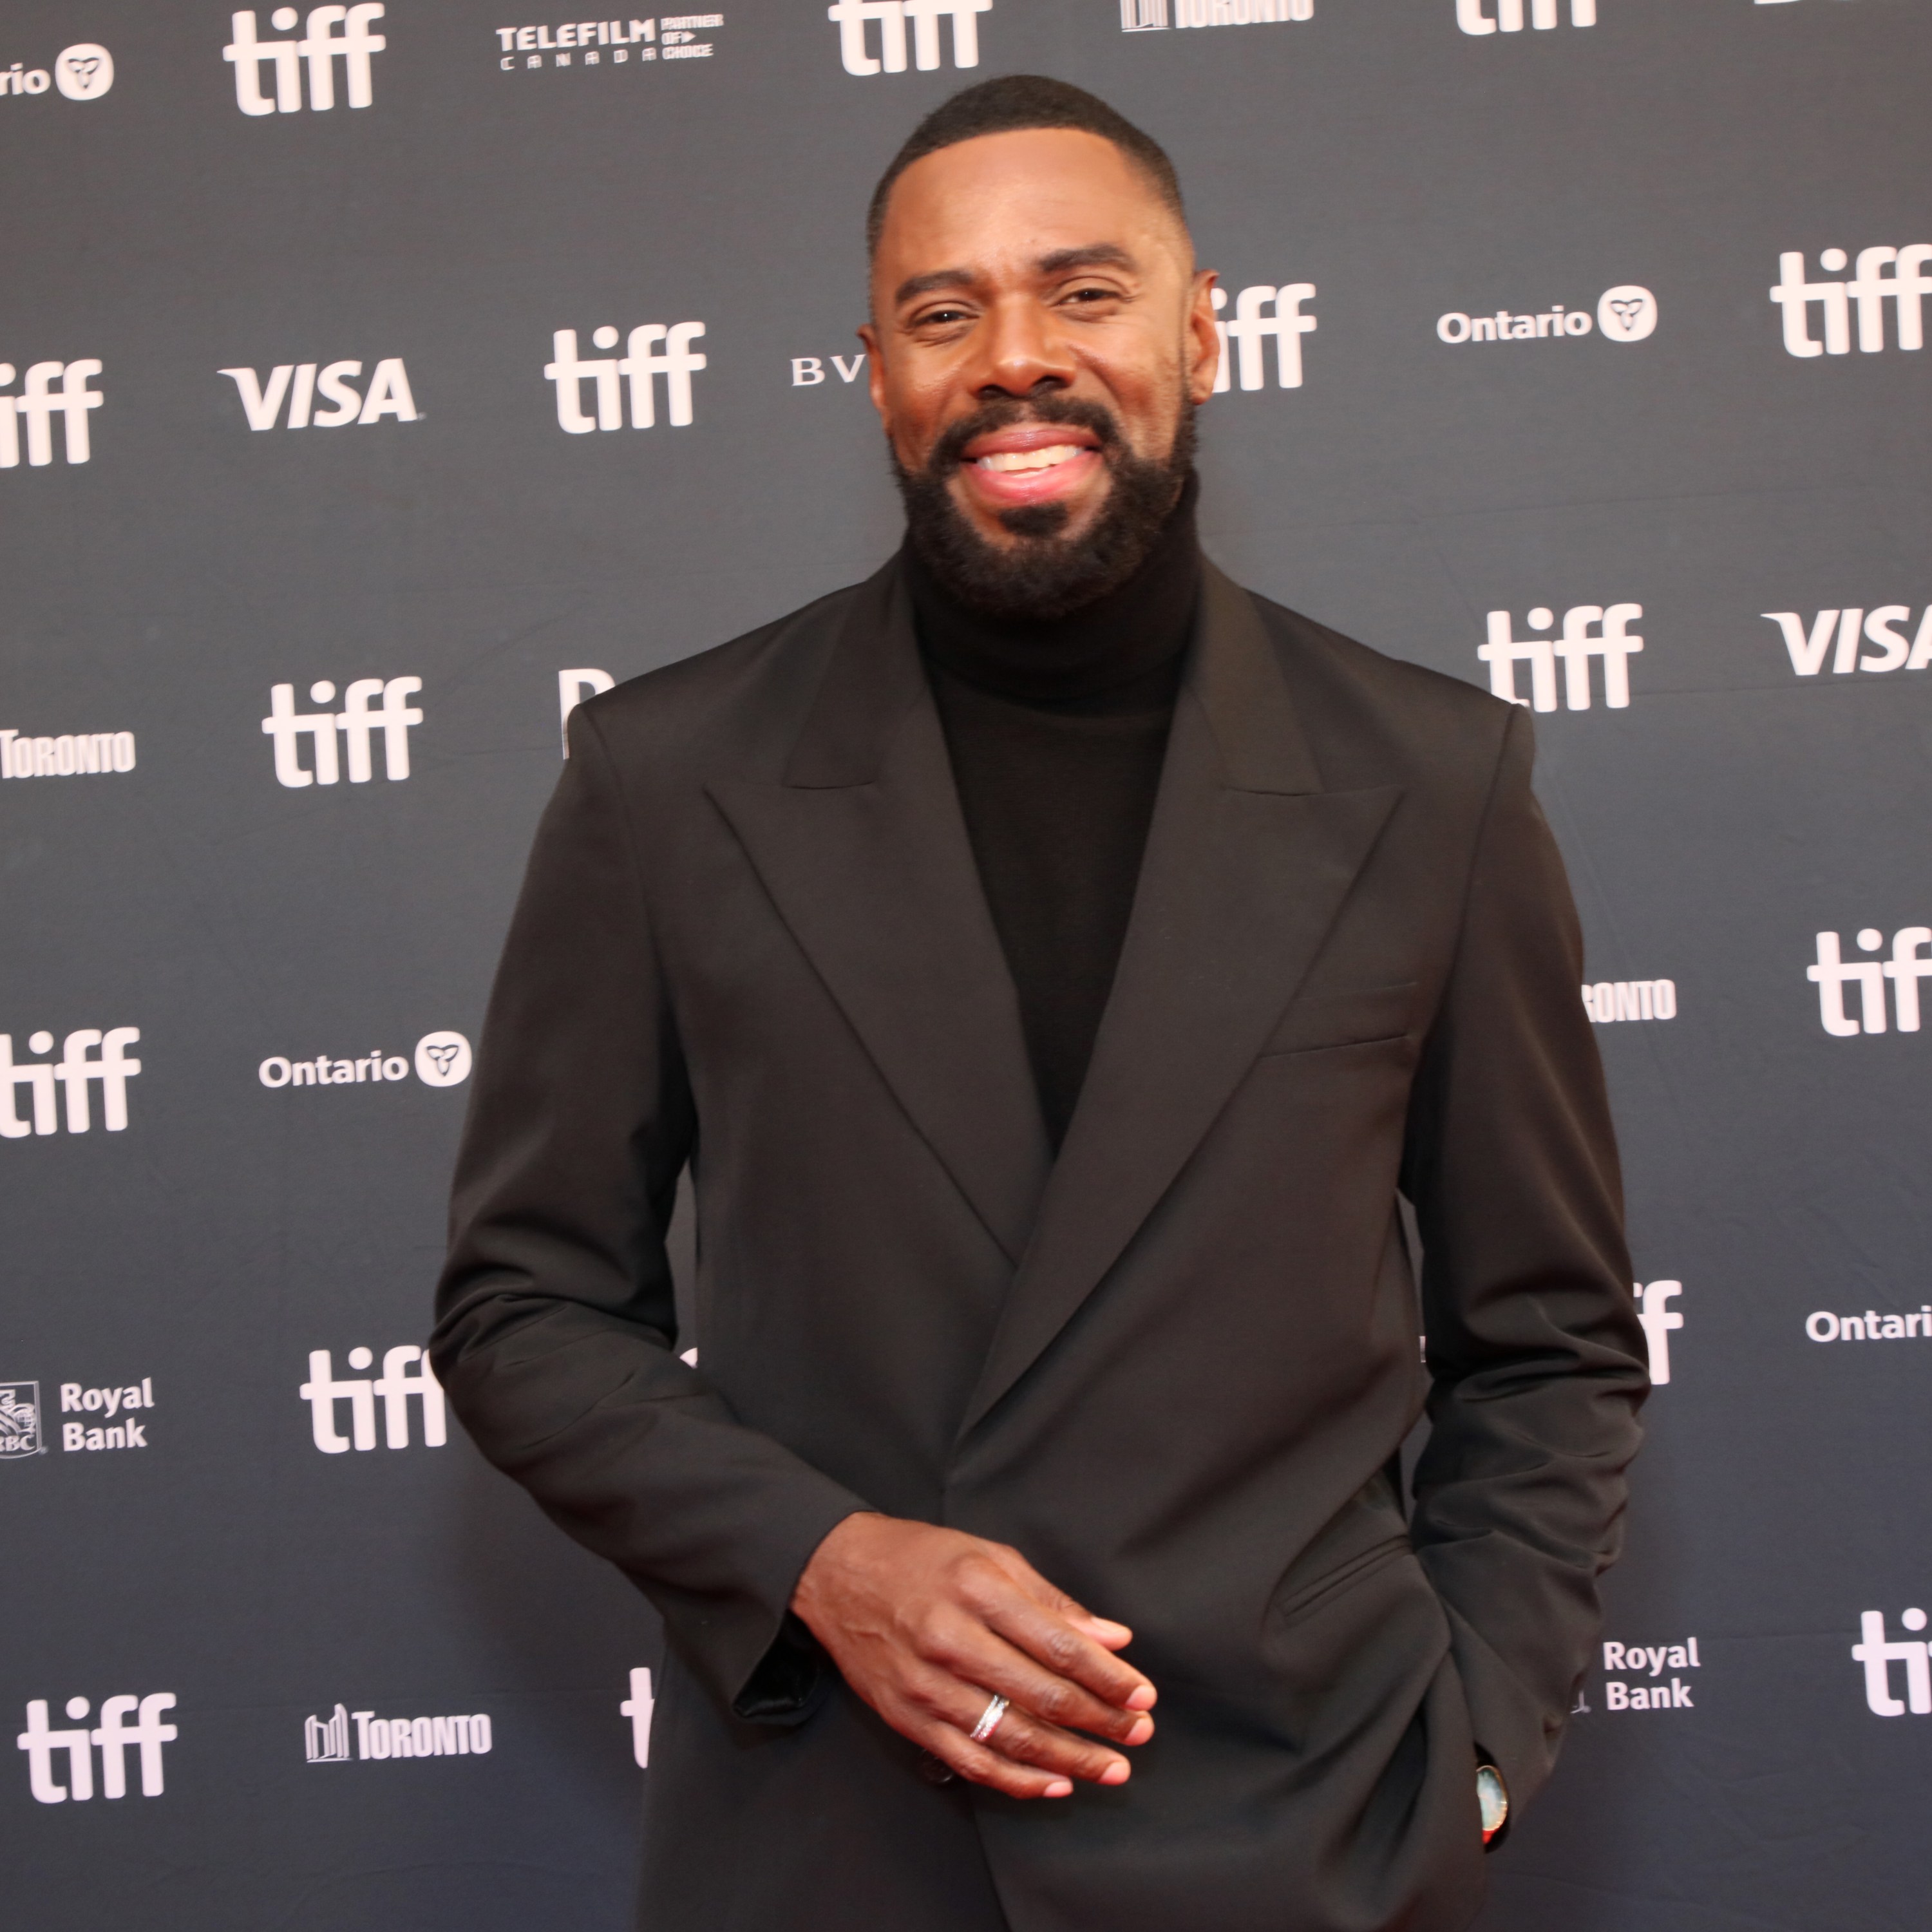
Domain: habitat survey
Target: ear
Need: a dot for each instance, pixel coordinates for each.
(1203, 338)
(875, 372)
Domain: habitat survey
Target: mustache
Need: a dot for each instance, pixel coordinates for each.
(1004, 412)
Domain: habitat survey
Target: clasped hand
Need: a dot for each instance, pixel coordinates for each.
(928, 1624)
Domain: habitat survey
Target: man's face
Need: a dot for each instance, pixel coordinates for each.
(1038, 336)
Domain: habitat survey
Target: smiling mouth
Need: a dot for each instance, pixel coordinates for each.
(1004, 461)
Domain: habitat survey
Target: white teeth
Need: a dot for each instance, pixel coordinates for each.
(1030, 459)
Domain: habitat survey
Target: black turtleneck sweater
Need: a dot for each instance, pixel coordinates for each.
(1057, 731)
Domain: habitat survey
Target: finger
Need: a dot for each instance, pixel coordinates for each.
(959, 1754)
(1022, 1739)
(1104, 1631)
(980, 1657)
(1066, 1651)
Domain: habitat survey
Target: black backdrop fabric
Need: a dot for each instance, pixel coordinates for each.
(382, 378)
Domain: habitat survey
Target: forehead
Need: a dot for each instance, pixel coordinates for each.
(1001, 199)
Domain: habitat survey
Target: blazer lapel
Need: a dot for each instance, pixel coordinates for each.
(1248, 862)
(862, 848)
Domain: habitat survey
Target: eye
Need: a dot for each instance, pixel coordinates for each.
(1088, 296)
(940, 318)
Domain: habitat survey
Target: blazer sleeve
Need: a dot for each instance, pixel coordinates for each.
(1536, 1359)
(556, 1335)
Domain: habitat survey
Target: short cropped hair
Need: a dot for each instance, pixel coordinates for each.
(1011, 104)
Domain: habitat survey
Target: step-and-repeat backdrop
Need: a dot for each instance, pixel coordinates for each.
(377, 381)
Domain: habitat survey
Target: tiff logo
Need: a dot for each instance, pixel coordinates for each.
(1878, 1654)
(75, 1069)
(1576, 646)
(1832, 973)
(1248, 333)
(1870, 288)
(321, 47)
(147, 1733)
(1852, 629)
(1508, 17)
(641, 363)
(852, 15)
(300, 382)
(395, 1385)
(357, 722)
(36, 406)
(638, 1707)
(1659, 1322)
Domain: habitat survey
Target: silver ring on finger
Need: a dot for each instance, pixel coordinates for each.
(989, 1719)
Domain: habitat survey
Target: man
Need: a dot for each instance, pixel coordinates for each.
(1058, 968)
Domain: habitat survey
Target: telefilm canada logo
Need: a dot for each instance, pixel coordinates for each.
(1589, 631)
(1511, 16)
(38, 402)
(885, 52)
(1625, 313)
(1832, 973)
(46, 1746)
(327, 1741)
(299, 384)
(1659, 1321)
(1844, 634)
(329, 35)
(89, 1057)
(441, 1059)
(641, 44)
(651, 349)
(1147, 16)
(1869, 290)
(82, 72)
(370, 706)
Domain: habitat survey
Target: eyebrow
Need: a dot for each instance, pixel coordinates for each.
(1094, 255)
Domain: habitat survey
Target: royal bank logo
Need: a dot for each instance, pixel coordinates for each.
(653, 348)
(608, 43)
(1870, 289)
(370, 706)
(330, 34)
(1832, 973)
(82, 72)
(39, 402)
(1610, 1002)
(1590, 632)
(72, 754)
(1147, 16)
(299, 384)
(325, 1393)
(88, 1057)
(327, 1740)
(20, 1421)
(891, 17)
(1646, 1664)
(1263, 313)
(1877, 1653)
(1625, 313)
(77, 1399)
(441, 1059)
(45, 1747)
(1844, 634)
(1511, 17)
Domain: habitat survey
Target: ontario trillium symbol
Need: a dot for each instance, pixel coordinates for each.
(442, 1058)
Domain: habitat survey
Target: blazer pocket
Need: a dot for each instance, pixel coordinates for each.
(1310, 1596)
(1361, 1018)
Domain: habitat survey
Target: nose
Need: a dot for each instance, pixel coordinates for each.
(1018, 352)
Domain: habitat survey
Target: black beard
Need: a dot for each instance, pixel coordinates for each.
(1046, 575)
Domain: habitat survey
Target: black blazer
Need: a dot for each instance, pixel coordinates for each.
(1172, 1368)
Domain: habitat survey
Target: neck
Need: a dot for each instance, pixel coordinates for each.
(1119, 646)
